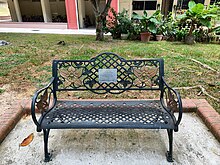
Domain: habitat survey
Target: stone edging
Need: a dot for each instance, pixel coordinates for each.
(9, 119)
(207, 113)
(200, 106)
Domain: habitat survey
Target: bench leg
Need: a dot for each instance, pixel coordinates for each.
(169, 153)
(47, 154)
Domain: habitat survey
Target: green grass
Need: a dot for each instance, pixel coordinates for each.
(27, 60)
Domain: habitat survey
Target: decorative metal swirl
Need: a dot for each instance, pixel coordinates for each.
(44, 99)
(42, 104)
(171, 101)
(108, 73)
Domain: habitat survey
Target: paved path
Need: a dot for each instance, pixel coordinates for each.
(48, 28)
(193, 144)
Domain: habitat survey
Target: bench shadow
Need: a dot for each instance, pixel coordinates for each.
(108, 142)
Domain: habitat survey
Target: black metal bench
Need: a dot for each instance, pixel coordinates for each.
(107, 73)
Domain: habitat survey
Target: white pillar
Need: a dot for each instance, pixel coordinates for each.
(45, 5)
(18, 11)
(12, 11)
(81, 6)
(207, 2)
(174, 7)
(159, 2)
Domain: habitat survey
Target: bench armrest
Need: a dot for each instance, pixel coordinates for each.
(44, 100)
(171, 101)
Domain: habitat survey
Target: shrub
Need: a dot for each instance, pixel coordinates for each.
(117, 23)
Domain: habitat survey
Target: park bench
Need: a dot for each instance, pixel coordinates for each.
(107, 73)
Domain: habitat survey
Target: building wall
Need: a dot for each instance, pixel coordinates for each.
(33, 7)
(57, 7)
(89, 12)
(30, 8)
(128, 5)
(125, 4)
(76, 10)
(85, 9)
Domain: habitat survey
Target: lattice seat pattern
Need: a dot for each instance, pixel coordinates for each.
(108, 114)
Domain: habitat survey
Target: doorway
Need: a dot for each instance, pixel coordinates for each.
(86, 14)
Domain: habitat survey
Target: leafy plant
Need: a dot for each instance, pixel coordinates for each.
(124, 21)
(147, 23)
(170, 27)
(197, 16)
(216, 30)
(135, 30)
(160, 26)
(181, 33)
(117, 23)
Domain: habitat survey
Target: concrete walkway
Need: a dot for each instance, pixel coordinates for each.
(42, 28)
(193, 145)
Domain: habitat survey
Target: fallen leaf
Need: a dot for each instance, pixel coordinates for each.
(199, 73)
(27, 140)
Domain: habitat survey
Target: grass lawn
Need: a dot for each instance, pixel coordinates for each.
(26, 63)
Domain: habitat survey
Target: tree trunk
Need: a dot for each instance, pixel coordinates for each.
(190, 39)
(99, 28)
(100, 16)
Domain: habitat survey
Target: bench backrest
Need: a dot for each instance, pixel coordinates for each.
(108, 73)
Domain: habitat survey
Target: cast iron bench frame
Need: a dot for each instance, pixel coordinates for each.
(107, 73)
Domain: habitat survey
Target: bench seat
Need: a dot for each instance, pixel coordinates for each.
(108, 114)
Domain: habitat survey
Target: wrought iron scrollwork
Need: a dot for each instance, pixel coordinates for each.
(146, 76)
(171, 101)
(131, 74)
(44, 100)
(43, 104)
(71, 74)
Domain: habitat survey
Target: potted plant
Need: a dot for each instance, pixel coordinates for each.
(159, 35)
(125, 23)
(118, 24)
(147, 24)
(135, 30)
(160, 28)
(170, 27)
(197, 16)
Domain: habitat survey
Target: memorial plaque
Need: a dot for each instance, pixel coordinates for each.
(107, 75)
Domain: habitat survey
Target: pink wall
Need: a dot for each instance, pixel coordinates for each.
(71, 13)
(114, 5)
